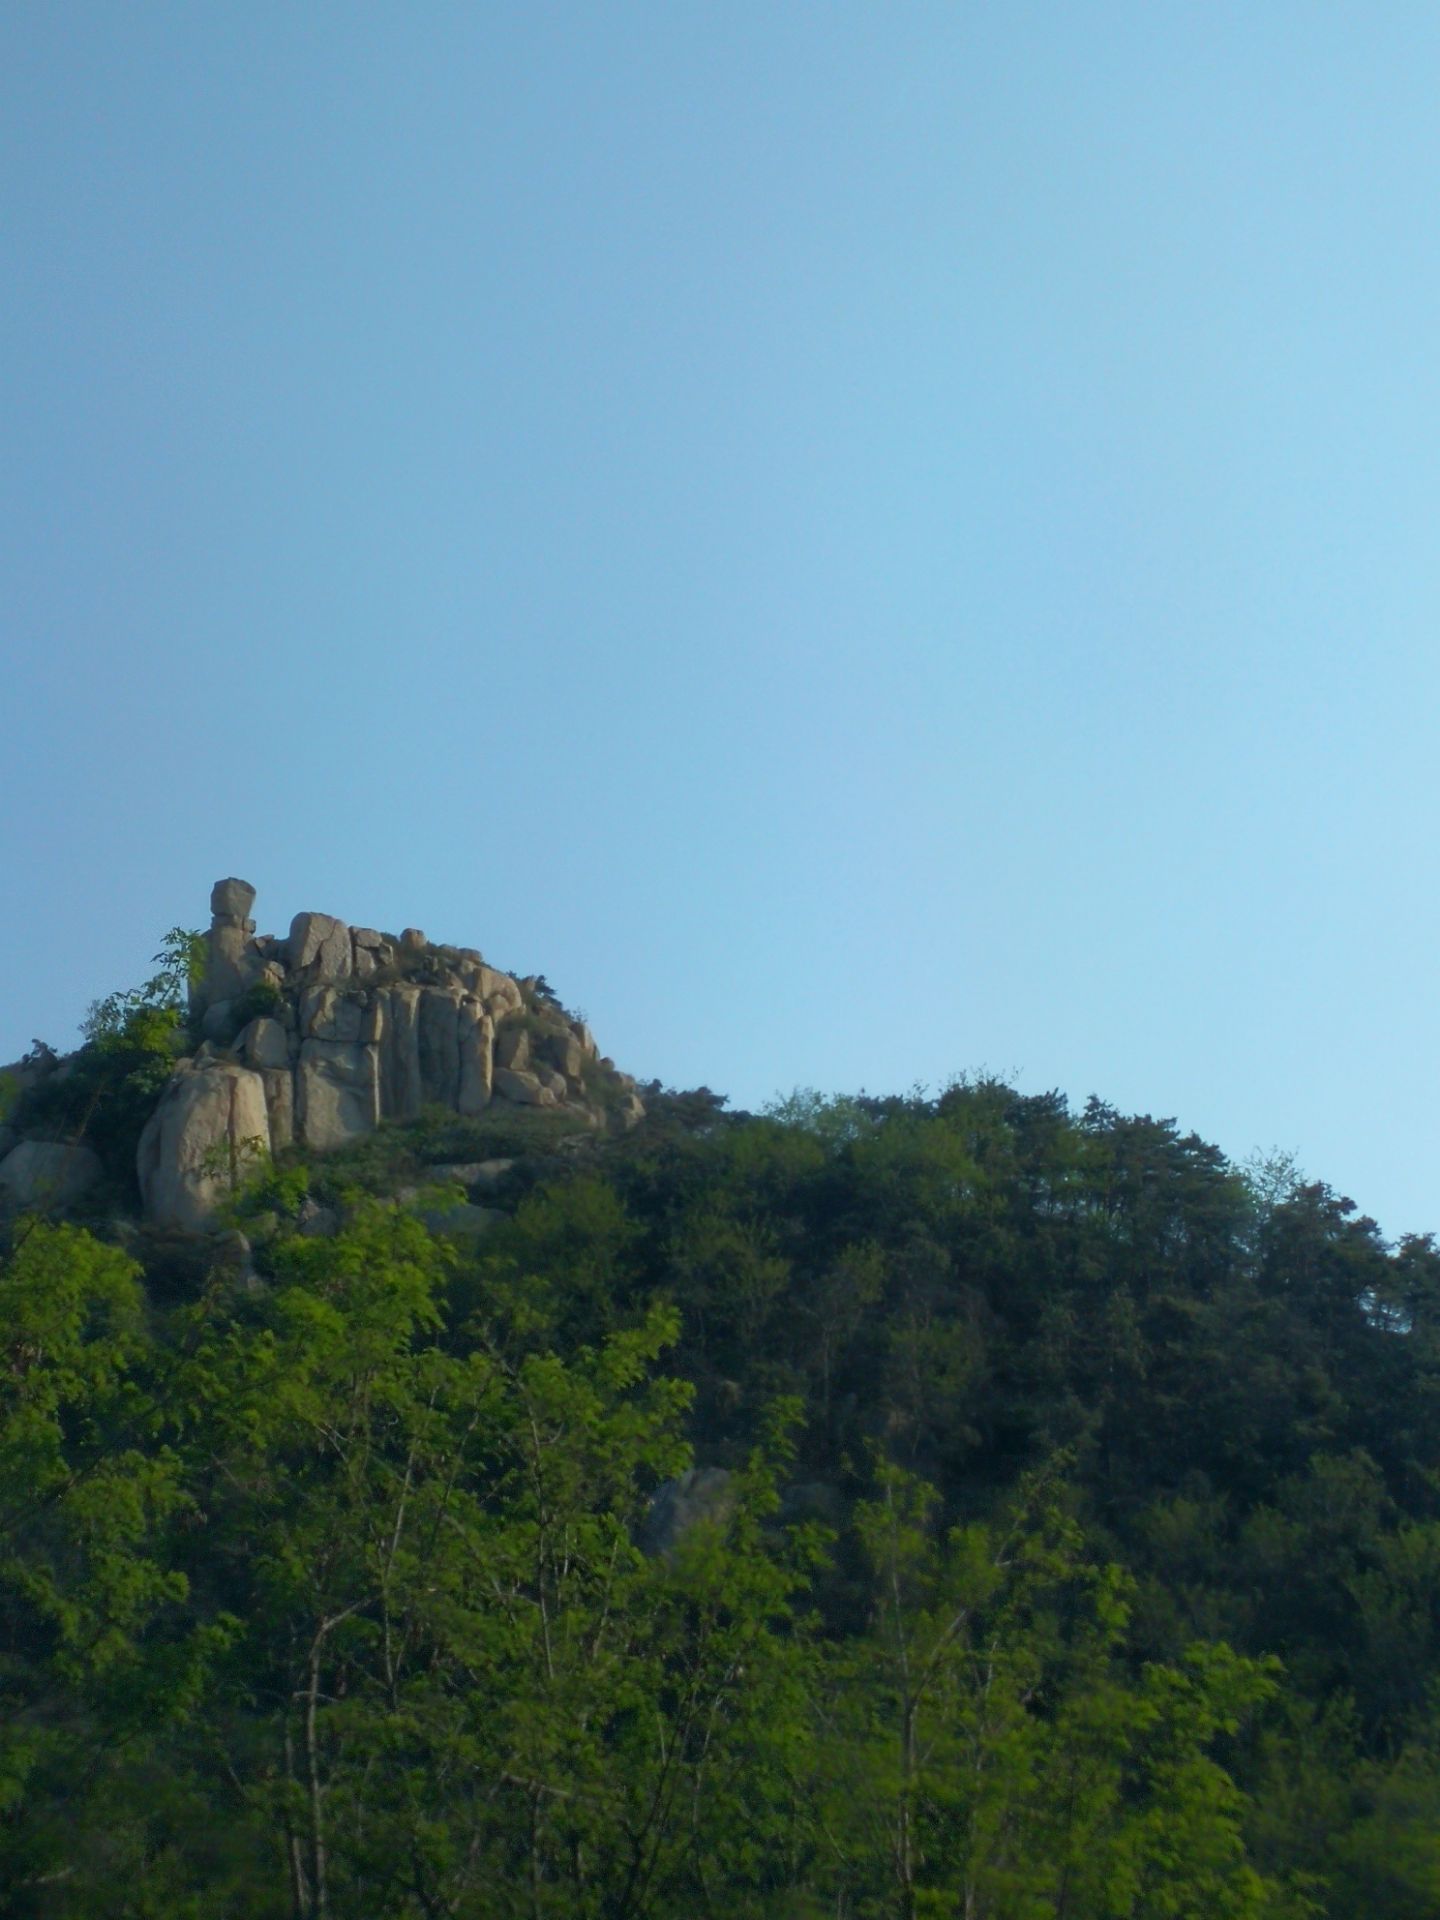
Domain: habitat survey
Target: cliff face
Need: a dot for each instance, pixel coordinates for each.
(319, 1036)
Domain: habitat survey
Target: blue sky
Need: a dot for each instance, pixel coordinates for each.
(864, 541)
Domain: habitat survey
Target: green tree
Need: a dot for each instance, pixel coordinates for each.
(96, 1650)
(995, 1758)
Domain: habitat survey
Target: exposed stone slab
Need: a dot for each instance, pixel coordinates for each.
(320, 941)
(337, 1092)
(477, 1057)
(326, 1013)
(440, 1046)
(402, 1091)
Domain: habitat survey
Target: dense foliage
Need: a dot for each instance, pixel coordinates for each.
(1079, 1555)
(105, 1092)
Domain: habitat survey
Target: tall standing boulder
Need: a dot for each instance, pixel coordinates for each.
(232, 964)
(402, 1093)
(477, 1057)
(209, 1130)
(440, 1046)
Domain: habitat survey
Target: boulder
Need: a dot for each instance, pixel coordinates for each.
(565, 1053)
(210, 1127)
(413, 941)
(498, 990)
(44, 1175)
(372, 951)
(320, 941)
(523, 1088)
(232, 963)
(512, 1047)
(232, 899)
(586, 1038)
(477, 1057)
(264, 1044)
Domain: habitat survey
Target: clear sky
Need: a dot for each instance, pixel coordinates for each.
(865, 541)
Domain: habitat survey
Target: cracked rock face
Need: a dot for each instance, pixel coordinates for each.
(357, 1027)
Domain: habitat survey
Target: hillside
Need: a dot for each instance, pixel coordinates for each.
(600, 1506)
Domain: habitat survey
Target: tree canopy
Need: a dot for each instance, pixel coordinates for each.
(1075, 1554)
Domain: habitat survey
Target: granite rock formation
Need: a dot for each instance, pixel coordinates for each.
(320, 1036)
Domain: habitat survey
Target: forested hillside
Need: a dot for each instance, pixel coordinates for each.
(1063, 1535)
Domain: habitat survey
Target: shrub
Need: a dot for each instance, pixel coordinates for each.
(260, 1002)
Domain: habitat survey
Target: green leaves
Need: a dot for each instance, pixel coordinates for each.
(324, 1594)
(998, 1757)
(153, 1010)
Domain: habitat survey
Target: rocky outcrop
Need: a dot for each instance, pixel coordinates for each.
(320, 1036)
